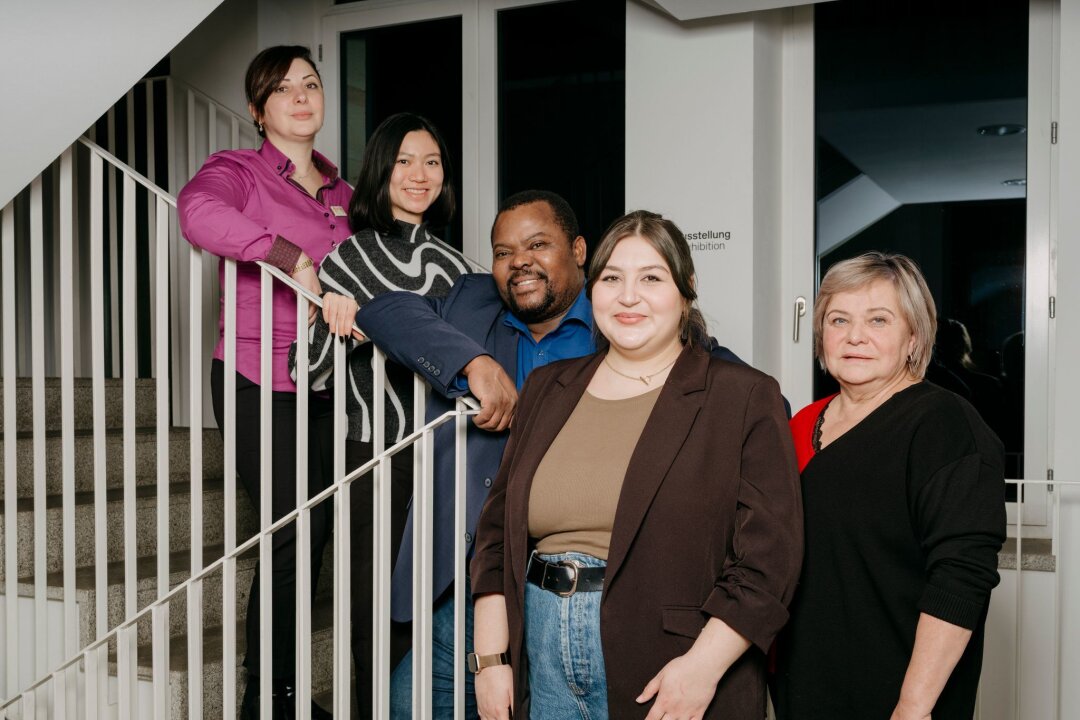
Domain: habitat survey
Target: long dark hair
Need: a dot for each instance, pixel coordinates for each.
(370, 205)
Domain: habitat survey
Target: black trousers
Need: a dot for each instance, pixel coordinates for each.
(283, 498)
(362, 502)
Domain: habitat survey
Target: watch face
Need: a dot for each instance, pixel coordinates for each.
(474, 666)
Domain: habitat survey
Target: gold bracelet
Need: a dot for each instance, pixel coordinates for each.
(302, 266)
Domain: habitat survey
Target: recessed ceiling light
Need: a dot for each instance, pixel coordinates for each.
(1015, 182)
(1001, 130)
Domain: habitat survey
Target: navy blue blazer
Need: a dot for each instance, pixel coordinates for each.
(436, 338)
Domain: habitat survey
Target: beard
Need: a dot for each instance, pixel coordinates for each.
(549, 306)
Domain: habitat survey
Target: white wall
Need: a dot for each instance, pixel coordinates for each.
(67, 61)
(703, 140)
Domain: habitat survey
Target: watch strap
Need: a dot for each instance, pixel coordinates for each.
(479, 662)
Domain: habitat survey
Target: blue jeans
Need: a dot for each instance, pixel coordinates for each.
(443, 658)
(567, 678)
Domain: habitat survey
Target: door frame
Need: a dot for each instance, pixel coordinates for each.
(800, 273)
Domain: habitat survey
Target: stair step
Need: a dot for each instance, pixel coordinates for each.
(146, 523)
(145, 458)
(83, 406)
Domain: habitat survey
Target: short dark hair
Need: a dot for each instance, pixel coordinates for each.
(668, 240)
(370, 205)
(267, 70)
(564, 214)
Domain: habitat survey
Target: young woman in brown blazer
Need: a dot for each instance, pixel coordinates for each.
(644, 534)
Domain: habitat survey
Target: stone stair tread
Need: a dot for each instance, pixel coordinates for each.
(112, 495)
(89, 432)
(322, 623)
(146, 568)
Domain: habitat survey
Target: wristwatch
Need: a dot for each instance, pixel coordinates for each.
(479, 662)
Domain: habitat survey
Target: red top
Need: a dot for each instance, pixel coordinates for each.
(802, 429)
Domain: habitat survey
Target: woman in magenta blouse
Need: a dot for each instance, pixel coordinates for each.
(283, 204)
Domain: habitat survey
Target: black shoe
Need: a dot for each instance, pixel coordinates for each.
(283, 702)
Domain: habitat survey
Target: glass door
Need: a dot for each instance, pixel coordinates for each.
(929, 141)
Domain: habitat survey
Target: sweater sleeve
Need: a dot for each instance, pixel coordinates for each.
(958, 512)
(210, 209)
(758, 580)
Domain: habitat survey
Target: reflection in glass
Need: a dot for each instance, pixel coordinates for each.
(921, 151)
(562, 106)
(381, 75)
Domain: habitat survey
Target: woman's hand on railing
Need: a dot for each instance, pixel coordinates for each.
(304, 273)
(339, 312)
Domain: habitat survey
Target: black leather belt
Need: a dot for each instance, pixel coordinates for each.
(564, 578)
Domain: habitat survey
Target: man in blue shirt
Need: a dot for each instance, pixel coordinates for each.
(531, 311)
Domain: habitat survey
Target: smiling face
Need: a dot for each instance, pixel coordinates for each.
(636, 304)
(865, 339)
(536, 267)
(294, 110)
(417, 178)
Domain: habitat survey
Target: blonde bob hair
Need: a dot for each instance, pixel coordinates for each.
(916, 303)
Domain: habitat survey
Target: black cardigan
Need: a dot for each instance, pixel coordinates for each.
(905, 513)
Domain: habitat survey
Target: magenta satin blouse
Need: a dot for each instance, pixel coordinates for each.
(242, 204)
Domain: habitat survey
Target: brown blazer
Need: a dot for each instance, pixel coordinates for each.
(709, 523)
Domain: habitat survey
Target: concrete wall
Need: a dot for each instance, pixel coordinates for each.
(69, 61)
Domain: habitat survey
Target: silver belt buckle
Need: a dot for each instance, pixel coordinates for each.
(573, 587)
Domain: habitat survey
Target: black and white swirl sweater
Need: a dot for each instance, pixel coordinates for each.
(365, 266)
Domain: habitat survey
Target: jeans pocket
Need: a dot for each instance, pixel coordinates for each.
(685, 620)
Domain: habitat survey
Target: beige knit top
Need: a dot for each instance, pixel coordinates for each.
(576, 487)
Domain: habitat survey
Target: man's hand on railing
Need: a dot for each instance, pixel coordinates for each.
(339, 312)
(304, 273)
(490, 384)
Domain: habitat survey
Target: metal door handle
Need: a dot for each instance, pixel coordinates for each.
(800, 311)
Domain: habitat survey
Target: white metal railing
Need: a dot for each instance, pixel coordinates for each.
(97, 228)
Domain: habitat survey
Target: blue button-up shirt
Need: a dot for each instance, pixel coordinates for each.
(573, 338)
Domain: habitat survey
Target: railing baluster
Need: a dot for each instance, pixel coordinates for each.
(29, 705)
(59, 695)
(381, 562)
(422, 581)
(342, 542)
(211, 129)
(97, 324)
(114, 252)
(130, 373)
(195, 386)
(67, 680)
(461, 427)
(127, 670)
(234, 132)
(266, 385)
(159, 648)
(11, 495)
(228, 577)
(67, 400)
(37, 351)
(151, 206)
(161, 399)
(303, 521)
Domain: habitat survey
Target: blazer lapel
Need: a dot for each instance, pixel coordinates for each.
(547, 418)
(665, 431)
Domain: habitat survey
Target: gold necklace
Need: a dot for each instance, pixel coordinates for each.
(643, 378)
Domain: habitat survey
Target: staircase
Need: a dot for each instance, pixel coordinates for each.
(86, 595)
(109, 222)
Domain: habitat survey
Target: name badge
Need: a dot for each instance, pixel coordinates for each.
(338, 210)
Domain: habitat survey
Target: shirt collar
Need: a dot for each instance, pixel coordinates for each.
(580, 312)
(284, 167)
